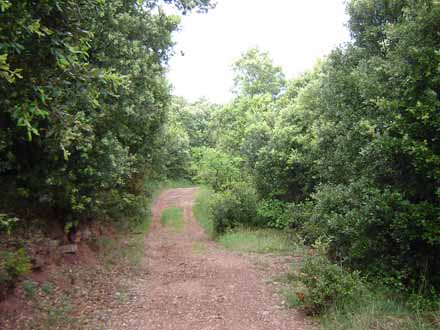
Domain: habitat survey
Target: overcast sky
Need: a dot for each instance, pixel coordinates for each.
(295, 32)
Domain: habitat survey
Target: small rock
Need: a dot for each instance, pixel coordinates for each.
(54, 243)
(69, 249)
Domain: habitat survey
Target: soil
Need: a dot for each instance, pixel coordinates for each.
(185, 282)
(194, 284)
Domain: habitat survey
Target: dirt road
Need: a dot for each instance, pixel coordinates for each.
(193, 284)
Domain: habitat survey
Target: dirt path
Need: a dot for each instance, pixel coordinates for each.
(195, 285)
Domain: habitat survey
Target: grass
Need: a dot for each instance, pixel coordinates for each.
(201, 210)
(376, 310)
(157, 187)
(372, 310)
(173, 218)
(58, 316)
(199, 247)
(291, 299)
(177, 183)
(258, 240)
(127, 247)
(54, 311)
(243, 239)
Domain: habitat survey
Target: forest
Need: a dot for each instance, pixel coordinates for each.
(345, 157)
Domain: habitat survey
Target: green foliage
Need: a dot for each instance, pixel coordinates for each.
(373, 231)
(196, 119)
(255, 74)
(376, 309)
(273, 213)
(175, 151)
(13, 264)
(30, 289)
(258, 241)
(7, 223)
(352, 144)
(83, 99)
(215, 168)
(285, 165)
(201, 210)
(173, 218)
(327, 283)
(233, 207)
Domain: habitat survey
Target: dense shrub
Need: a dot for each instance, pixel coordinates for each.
(377, 231)
(234, 207)
(7, 223)
(353, 145)
(83, 98)
(326, 283)
(216, 168)
(12, 265)
(273, 213)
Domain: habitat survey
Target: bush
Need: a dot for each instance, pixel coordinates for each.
(379, 309)
(13, 264)
(84, 125)
(7, 223)
(379, 232)
(202, 210)
(327, 283)
(215, 168)
(236, 206)
(273, 213)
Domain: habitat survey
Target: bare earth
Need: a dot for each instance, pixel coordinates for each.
(195, 285)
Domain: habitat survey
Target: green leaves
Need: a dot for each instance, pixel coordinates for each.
(83, 101)
(4, 5)
(216, 168)
(25, 115)
(255, 74)
(353, 143)
(6, 73)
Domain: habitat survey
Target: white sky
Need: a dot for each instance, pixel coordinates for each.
(295, 32)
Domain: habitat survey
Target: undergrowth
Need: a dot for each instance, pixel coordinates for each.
(338, 298)
(201, 210)
(258, 240)
(240, 238)
(126, 246)
(173, 218)
(343, 300)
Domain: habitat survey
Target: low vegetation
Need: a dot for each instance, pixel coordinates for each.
(344, 158)
(201, 210)
(258, 240)
(376, 309)
(173, 218)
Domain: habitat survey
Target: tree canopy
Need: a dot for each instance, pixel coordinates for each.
(83, 99)
(351, 148)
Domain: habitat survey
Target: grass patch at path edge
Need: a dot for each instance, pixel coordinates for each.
(173, 218)
(258, 241)
(378, 310)
(127, 244)
(201, 210)
(243, 239)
